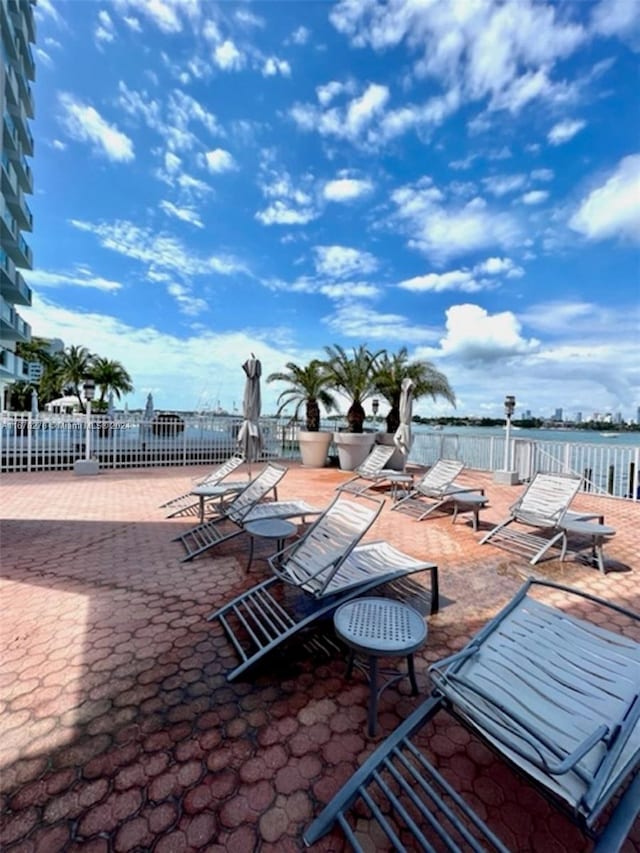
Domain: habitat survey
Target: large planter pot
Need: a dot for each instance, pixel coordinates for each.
(398, 460)
(353, 448)
(314, 447)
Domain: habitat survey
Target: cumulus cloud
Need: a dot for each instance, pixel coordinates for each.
(535, 197)
(273, 65)
(219, 160)
(227, 56)
(564, 131)
(346, 189)
(472, 334)
(343, 261)
(359, 322)
(481, 277)
(612, 209)
(85, 124)
(292, 205)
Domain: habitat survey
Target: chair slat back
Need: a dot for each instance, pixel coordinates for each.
(257, 489)
(222, 471)
(440, 475)
(327, 543)
(547, 496)
(375, 461)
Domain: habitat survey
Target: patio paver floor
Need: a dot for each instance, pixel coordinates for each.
(119, 730)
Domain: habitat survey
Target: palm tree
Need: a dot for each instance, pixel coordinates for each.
(427, 382)
(354, 376)
(76, 366)
(110, 376)
(307, 386)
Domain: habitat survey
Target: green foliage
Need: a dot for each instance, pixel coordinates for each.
(307, 387)
(427, 382)
(354, 376)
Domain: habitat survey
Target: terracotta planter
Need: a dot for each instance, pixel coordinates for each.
(314, 447)
(353, 448)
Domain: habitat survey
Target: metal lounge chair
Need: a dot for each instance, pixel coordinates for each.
(433, 489)
(371, 472)
(556, 696)
(210, 487)
(543, 505)
(244, 507)
(312, 577)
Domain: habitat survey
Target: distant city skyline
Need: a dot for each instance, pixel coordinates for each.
(218, 179)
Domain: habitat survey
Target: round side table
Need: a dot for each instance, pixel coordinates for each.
(269, 528)
(596, 534)
(377, 628)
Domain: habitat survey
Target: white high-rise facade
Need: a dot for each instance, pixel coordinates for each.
(16, 145)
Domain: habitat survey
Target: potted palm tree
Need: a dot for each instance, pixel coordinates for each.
(307, 386)
(427, 382)
(353, 375)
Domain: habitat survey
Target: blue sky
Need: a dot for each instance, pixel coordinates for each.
(461, 178)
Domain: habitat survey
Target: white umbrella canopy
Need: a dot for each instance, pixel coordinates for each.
(34, 403)
(249, 436)
(111, 407)
(402, 437)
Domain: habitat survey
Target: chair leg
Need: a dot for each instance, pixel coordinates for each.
(412, 675)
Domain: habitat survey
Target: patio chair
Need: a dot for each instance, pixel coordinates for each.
(207, 488)
(433, 489)
(313, 576)
(556, 696)
(371, 472)
(246, 506)
(543, 505)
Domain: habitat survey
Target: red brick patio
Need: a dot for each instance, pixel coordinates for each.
(119, 730)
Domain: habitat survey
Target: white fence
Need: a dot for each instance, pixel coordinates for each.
(606, 469)
(55, 442)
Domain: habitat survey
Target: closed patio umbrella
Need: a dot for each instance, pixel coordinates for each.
(34, 403)
(402, 436)
(148, 409)
(111, 409)
(249, 436)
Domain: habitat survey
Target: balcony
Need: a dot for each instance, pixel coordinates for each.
(12, 285)
(9, 180)
(8, 32)
(12, 367)
(21, 211)
(12, 326)
(11, 84)
(21, 123)
(10, 134)
(26, 93)
(22, 169)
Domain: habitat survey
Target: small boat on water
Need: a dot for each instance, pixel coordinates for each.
(610, 434)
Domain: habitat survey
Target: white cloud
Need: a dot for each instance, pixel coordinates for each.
(80, 277)
(281, 213)
(219, 160)
(564, 131)
(273, 66)
(612, 209)
(342, 261)
(361, 323)
(442, 232)
(439, 282)
(535, 197)
(346, 189)
(185, 214)
(105, 31)
(618, 18)
(354, 120)
(163, 13)
(300, 36)
(227, 56)
(499, 185)
(472, 334)
(349, 290)
(499, 266)
(188, 304)
(542, 175)
(85, 124)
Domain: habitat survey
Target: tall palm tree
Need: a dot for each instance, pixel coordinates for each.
(354, 376)
(427, 382)
(76, 366)
(110, 376)
(307, 386)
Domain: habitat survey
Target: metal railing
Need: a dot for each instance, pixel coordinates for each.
(52, 442)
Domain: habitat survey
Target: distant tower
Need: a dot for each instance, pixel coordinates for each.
(558, 415)
(16, 107)
(578, 417)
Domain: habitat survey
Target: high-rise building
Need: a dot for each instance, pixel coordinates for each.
(578, 417)
(16, 106)
(558, 415)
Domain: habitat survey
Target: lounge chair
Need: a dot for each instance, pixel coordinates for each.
(543, 505)
(433, 489)
(314, 575)
(556, 696)
(371, 472)
(206, 489)
(246, 506)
